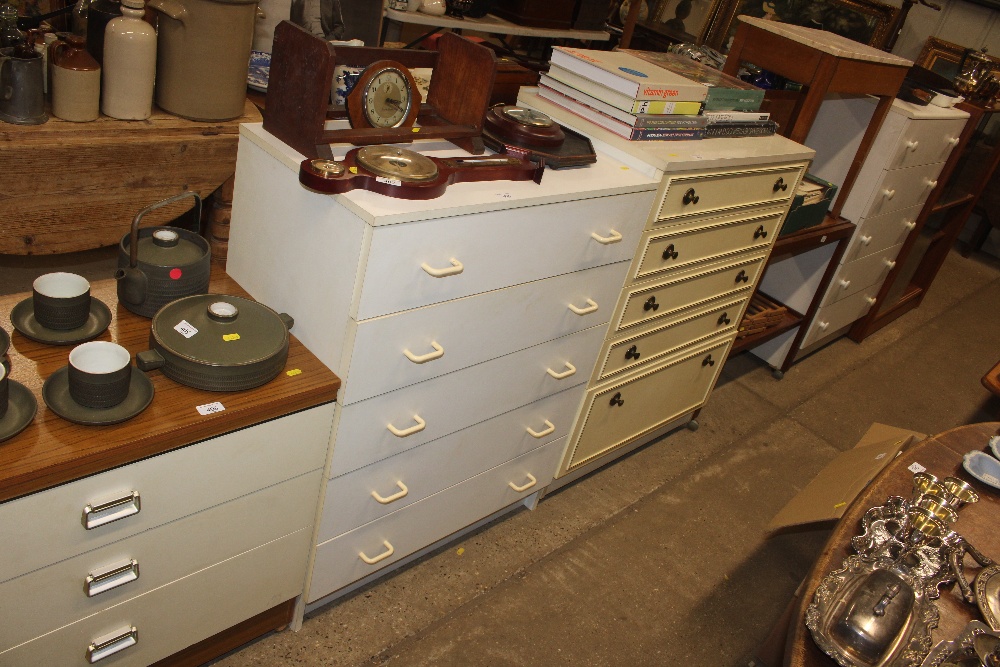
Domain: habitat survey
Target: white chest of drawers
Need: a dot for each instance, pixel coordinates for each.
(898, 175)
(464, 329)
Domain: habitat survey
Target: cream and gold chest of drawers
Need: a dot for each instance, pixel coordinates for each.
(464, 328)
(719, 206)
(899, 173)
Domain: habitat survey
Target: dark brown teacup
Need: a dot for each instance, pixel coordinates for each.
(99, 374)
(61, 301)
(4, 390)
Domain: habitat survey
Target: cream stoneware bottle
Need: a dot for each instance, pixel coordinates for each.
(129, 64)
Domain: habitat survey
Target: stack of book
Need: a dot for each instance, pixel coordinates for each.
(644, 98)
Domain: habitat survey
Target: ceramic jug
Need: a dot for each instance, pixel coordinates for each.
(129, 66)
(204, 51)
(22, 100)
(76, 80)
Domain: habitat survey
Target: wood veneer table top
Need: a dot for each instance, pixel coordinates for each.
(52, 451)
(942, 456)
(827, 42)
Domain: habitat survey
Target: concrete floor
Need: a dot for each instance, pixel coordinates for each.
(661, 558)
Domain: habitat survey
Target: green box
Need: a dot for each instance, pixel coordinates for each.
(800, 217)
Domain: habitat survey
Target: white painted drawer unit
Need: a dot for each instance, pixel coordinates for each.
(134, 564)
(464, 330)
(889, 194)
(705, 245)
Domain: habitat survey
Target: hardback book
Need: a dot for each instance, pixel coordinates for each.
(750, 128)
(725, 93)
(584, 105)
(735, 116)
(616, 126)
(629, 75)
(618, 100)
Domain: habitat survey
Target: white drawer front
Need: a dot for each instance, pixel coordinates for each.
(627, 353)
(58, 595)
(839, 314)
(459, 333)
(865, 273)
(340, 561)
(925, 141)
(693, 194)
(618, 413)
(495, 250)
(451, 402)
(682, 246)
(881, 232)
(48, 526)
(903, 188)
(646, 302)
(374, 491)
(185, 612)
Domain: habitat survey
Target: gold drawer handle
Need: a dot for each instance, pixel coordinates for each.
(104, 513)
(394, 497)
(549, 428)
(424, 358)
(95, 584)
(565, 374)
(590, 308)
(531, 482)
(453, 270)
(389, 550)
(100, 650)
(408, 431)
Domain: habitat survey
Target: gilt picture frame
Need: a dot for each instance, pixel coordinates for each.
(684, 20)
(865, 21)
(943, 57)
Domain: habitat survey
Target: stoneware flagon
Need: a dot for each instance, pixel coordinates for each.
(157, 265)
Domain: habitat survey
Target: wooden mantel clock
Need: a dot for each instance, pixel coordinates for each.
(385, 105)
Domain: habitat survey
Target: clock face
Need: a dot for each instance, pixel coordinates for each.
(387, 98)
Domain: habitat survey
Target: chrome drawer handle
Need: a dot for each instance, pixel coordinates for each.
(453, 270)
(531, 482)
(760, 232)
(98, 515)
(100, 650)
(389, 550)
(408, 431)
(95, 584)
(724, 319)
(780, 184)
(394, 497)
(617, 400)
(651, 304)
(607, 240)
(591, 307)
(669, 252)
(632, 353)
(690, 197)
(424, 358)
(565, 374)
(549, 429)
(708, 361)
(742, 277)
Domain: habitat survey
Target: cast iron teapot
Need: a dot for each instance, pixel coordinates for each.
(157, 265)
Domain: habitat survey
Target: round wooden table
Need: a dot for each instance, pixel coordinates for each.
(942, 456)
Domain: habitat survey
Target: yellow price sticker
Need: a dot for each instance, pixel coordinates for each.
(353, 170)
(232, 336)
(293, 372)
(415, 129)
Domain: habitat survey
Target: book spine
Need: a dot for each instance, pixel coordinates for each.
(738, 116)
(669, 122)
(641, 134)
(733, 99)
(749, 129)
(665, 108)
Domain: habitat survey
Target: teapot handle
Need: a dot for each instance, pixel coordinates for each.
(133, 243)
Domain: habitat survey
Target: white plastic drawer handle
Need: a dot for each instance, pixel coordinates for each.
(453, 270)
(953, 141)
(871, 300)
(382, 556)
(394, 497)
(591, 307)
(102, 648)
(889, 194)
(844, 284)
(909, 224)
(891, 264)
(570, 369)
(865, 240)
(95, 584)
(424, 358)
(931, 184)
(823, 326)
(606, 240)
(912, 145)
(531, 482)
(417, 428)
(98, 515)
(549, 428)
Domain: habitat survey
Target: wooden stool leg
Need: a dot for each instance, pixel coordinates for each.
(219, 214)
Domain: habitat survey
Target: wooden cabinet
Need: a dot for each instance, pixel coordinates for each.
(465, 328)
(143, 539)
